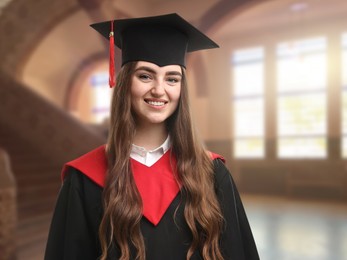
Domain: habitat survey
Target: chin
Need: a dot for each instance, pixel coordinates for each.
(156, 121)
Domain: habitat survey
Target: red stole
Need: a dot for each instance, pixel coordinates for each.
(157, 184)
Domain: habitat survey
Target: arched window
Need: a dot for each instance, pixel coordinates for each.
(90, 96)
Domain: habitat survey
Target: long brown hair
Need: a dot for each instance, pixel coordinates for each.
(120, 225)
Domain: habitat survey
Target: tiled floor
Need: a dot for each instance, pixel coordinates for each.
(298, 230)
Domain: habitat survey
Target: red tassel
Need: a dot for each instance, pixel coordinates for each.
(112, 72)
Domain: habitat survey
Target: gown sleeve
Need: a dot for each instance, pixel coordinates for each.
(74, 228)
(237, 240)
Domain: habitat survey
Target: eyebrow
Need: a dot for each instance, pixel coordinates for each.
(150, 70)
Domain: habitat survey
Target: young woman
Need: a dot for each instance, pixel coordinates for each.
(152, 192)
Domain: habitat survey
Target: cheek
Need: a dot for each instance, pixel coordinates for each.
(135, 92)
(134, 99)
(175, 94)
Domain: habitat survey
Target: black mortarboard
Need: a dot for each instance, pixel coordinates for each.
(163, 40)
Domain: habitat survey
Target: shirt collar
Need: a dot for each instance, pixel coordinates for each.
(162, 149)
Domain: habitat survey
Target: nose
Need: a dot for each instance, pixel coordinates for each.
(158, 88)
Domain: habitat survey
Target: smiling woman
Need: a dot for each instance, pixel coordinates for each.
(155, 92)
(153, 191)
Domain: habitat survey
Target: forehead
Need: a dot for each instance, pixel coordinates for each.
(158, 69)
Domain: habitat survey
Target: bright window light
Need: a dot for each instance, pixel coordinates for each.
(302, 107)
(248, 102)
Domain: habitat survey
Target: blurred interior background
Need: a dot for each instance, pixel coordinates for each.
(272, 100)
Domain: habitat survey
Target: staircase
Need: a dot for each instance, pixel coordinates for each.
(39, 138)
(38, 184)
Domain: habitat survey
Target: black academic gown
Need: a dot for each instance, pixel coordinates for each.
(74, 230)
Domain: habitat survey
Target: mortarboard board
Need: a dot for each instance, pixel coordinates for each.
(163, 40)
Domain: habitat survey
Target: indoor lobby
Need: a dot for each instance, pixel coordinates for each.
(272, 100)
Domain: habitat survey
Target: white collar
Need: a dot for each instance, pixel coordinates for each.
(148, 158)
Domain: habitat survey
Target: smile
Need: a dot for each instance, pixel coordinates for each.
(155, 103)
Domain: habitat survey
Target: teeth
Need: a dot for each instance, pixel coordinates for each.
(156, 103)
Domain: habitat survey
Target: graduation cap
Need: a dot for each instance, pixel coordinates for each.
(163, 40)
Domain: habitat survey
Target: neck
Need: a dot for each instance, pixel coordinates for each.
(150, 137)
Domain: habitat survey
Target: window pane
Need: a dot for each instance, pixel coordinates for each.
(302, 115)
(304, 70)
(249, 117)
(302, 147)
(344, 112)
(344, 147)
(248, 62)
(249, 55)
(292, 48)
(246, 85)
(100, 96)
(344, 60)
(344, 95)
(302, 107)
(249, 148)
(248, 102)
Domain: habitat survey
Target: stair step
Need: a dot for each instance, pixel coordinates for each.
(32, 237)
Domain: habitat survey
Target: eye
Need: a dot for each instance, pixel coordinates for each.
(144, 77)
(173, 80)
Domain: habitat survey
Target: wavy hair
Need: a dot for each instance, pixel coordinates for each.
(120, 225)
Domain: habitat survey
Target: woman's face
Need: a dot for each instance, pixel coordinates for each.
(155, 92)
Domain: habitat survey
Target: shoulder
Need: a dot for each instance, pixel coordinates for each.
(220, 170)
(215, 156)
(92, 164)
(79, 182)
(222, 176)
(224, 184)
(74, 178)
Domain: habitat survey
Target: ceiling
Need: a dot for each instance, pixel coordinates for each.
(278, 14)
(74, 42)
